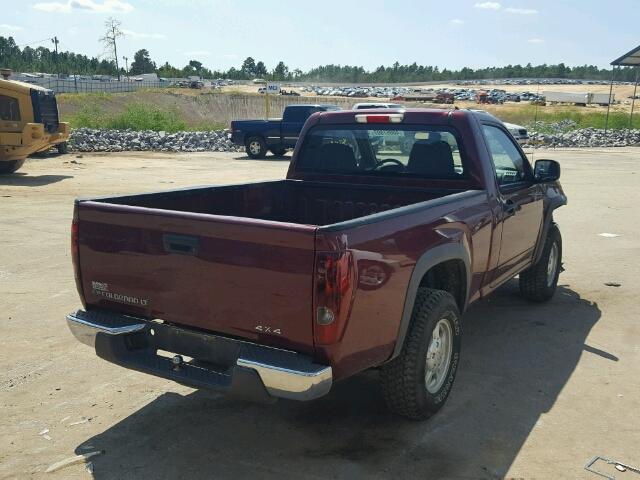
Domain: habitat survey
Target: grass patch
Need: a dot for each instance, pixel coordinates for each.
(583, 117)
(137, 116)
(82, 98)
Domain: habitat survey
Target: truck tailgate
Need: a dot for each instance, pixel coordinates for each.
(238, 276)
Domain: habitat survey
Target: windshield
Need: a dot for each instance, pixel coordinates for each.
(396, 150)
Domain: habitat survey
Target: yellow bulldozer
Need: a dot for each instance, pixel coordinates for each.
(28, 122)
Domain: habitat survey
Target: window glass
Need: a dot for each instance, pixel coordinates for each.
(298, 114)
(9, 109)
(396, 150)
(507, 160)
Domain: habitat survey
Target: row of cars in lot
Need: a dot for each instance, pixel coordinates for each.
(535, 81)
(493, 95)
(358, 91)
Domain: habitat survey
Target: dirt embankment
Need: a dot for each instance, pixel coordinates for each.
(195, 108)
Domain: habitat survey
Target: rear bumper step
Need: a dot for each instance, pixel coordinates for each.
(223, 364)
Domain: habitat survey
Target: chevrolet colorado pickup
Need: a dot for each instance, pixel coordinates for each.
(276, 135)
(361, 258)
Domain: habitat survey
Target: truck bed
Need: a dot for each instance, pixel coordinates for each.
(289, 201)
(237, 260)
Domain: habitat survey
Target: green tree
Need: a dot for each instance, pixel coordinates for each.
(261, 69)
(196, 65)
(281, 72)
(142, 63)
(249, 67)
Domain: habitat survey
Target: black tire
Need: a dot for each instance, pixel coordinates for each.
(404, 385)
(255, 147)
(278, 151)
(63, 148)
(11, 166)
(538, 283)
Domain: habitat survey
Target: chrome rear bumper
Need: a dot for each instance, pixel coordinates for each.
(220, 363)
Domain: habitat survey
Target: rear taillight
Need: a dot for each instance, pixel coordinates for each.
(75, 248)
(334, 287)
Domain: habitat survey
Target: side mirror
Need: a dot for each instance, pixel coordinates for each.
(546, 170)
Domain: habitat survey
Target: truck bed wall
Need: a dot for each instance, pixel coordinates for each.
(285, 201)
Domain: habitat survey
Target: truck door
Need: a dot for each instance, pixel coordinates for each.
(292, 122)
(521, 210)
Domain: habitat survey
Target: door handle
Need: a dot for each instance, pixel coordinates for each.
(180, 244)
(510, 208)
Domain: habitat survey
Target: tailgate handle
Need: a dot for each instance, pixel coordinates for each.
(181, 244)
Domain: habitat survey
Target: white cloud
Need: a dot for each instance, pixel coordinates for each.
(535, 40)
(488, 5)
(230, 55)
(456, 21)
(132, 34)
(198, 53)
(106, 6)
(521, 11)
(9, 28)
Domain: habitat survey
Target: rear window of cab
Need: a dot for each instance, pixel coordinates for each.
(389, 149)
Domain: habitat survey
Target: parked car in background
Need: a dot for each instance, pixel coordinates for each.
(275, 135)
(357, 260)
(518, 131)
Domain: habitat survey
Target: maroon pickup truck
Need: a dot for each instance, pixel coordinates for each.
(363, 257)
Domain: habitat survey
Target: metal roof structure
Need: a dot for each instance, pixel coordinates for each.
(630, 59)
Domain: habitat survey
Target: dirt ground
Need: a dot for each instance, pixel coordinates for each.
(541, 389)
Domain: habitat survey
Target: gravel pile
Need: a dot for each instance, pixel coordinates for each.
(91, 140)
(554, 127)
(586, 137)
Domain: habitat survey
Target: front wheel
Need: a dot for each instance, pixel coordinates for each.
(11, 166)
(538, 283)
(255, 147)
(416, 384)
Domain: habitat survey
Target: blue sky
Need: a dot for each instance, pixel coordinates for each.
(453, 34)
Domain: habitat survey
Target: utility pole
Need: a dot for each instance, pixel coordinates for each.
(55, 41)
(126, 65)
(110, 39)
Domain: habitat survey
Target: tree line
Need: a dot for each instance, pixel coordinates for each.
(42, 59)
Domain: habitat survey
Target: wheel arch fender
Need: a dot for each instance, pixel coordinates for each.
(547, 220)
(431, 258)
(249, 135)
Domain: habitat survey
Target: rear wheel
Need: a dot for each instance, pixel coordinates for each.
(63, 147)
(278, 151)
(538, 283)
(255, 147)
(417, 383)
(11, 166)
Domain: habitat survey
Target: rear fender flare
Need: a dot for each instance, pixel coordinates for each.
(431, 258)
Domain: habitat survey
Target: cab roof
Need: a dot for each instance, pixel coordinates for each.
(411, 115)
(20, 87)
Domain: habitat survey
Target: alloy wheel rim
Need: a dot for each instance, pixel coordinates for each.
(254, 147)
(438, 356)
